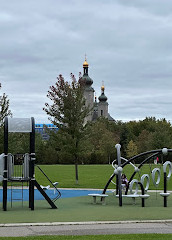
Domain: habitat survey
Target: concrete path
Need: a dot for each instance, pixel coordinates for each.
(87, 228)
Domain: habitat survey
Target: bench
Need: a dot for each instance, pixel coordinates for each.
(102, 196)
(165, 194)
(145, 196)
(134, 196)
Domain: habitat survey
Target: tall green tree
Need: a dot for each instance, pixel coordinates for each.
(4, 107)
(150, 133)
(99, 142)
(131, 149)
(144, 141)
(67, 110)
(4, 112)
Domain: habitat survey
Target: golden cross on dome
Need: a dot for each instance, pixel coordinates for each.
(103, 87)
(85, 63)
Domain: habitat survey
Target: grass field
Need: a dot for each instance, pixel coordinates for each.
(97, 237)
(90, 176)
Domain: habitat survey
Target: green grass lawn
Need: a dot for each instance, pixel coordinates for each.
(97, 237)
(90, 176)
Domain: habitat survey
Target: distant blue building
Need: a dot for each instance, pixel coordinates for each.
(41, 128)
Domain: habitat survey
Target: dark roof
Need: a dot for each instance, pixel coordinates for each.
(110, 118)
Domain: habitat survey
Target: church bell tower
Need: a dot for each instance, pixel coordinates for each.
(87, 82)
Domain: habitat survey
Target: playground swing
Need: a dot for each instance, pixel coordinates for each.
(20, 168)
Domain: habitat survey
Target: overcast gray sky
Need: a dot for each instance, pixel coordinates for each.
(128, 45)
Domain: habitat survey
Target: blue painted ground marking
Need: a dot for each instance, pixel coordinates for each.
(65, 193)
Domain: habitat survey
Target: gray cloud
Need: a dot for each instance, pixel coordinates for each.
(128, 44)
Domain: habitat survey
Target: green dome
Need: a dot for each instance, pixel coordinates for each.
(102, 98)
(86, 80)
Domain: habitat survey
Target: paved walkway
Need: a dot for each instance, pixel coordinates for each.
(85, 228)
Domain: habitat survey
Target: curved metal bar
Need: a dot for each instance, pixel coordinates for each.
(124, 164)
(144, 161)
(59, 193)
(113, 163)
(142, 154)
(107, 184)
(156, 152)
(143, 192)
(126, 160)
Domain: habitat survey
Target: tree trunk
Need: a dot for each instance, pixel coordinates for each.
(76, 163)
(76, 172)
(109, 159)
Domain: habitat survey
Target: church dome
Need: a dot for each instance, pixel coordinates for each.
(85, 79)
(102, 98)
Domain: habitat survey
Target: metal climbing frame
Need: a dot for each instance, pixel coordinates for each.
(18, 173)
(16, 192)
(20, 168)
(118, 169)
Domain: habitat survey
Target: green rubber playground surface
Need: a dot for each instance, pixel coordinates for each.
(78, 209)
(82, 209)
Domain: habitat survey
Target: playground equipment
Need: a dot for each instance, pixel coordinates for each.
(155, 173)
(20, 168)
